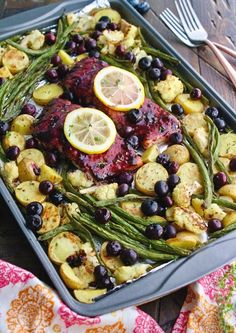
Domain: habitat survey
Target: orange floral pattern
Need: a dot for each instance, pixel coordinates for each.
(115, 328)
(32, 311)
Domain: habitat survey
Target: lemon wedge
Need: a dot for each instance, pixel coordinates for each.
(118, 89)
(89, 130)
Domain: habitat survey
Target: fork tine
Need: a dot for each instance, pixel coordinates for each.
(184, 19)
(175, 26)
(194, 15)
(188, 13)
(175, 20)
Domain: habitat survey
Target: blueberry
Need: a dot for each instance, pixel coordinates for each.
(4, 127)
(165, 72)
(113, 248)
(105, 19)
(105, 282)
(71, 46)
(161, 188)
(212, 112)
(220, 124)
(51, 75)
(50, 38)
(120, 51)
(172, 167)
(29, 109)
(100, 26)
(100, 271)
(56, 197)
(177, 109)
(161, 210)
(176, 138)
(133, 141)
(173, 180)
(81, 49)
(219, 180)
(154, 73)
(12, 153)
(102, 215)
(144, 63)
(143, 7)
(62, 70)
(90, 44)
(126, 131)
(56, 60)
(167, 201)
(2, 80)
(134, 116)
(232, 164)
(77, 38)
(149, 207)
(34, 222)
(169, 231)
(124, 177)
(75, 260)
(163, 159)
(34, 208)
(94, 54)
(122, 190)
(31, 143)
(154, 231)
(45, 187)
(112, 26)
(195, 94)
(129, 257)
(96, 34)
(157, 63)
(129, 56)
(214, 225)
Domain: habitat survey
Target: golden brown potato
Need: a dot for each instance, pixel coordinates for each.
(47, 173)
(23, 124)
(111, 263)
(5, 73)
(193, 121)
(50, 217)
(150, 154)
(132, 207)
(230, 218)
(189, 173)
(147, 176)
(45, 94)
(189, 105)
(178, 153)
(32, 154)
(28, 192)
(88, 295)
(70, 278)
(126, 273)
(228, 190)
(27, 170)
(15, 60)
(227, 145)
(184, 239)
(13, 139)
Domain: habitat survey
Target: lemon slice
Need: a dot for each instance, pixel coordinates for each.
(89, 130)
(119, 89)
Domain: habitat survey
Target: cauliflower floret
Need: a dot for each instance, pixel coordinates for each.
(10, 172)
(130, 32)
(68, 208)
(106, 192)
(183, 192)
(169, 88)
(79, 179)
(200, 136)
(214, 212)
(84, 22)
(138, 55)
(34, 40)
(191, 221)
(109, 40)
(2, 51)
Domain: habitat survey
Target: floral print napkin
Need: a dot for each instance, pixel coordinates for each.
(29, 306)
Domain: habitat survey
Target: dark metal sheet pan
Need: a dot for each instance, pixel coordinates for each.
(169, 277)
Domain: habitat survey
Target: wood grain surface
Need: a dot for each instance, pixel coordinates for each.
(219, 19)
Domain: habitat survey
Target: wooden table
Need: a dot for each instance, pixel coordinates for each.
(218, 17)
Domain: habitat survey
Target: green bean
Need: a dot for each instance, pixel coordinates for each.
(220, 202)
(162, 55)
(144, 43)
(206, 179)
(25, 49)
(128, 197)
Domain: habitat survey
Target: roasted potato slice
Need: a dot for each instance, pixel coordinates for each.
(230, 218)
(227, 145)
(111, 263)
(132, 207)
(178, 153)
(228, 190)
(45, 94)
(32, 154)
(15, 60)
(198, 205)
(50, 217)
(70, 278)
(189, 105)
(13, 138)
(5, 73)
(184, 218)
(88, 295)
(23, 124)
(147, 176)
(126, 273)
(113, 15)
(189, 173)
(157, 219)
(28, 192)
(150, 154)
(66, 58)
(27, 170)
(34, 40)
(184, 239)
(47, 173)
(62, 246)
(193, 121)
(170, 214)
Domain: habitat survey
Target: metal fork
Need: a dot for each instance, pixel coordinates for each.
(175, 25)
(196, 33)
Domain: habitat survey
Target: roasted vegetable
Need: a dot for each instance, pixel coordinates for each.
(13, 138)
(178, 153)
(27, 170)
(28, 192)
(227, 145)
(126, 273)
(50, 217)
(186, 219)
(45, 94)
(47, 173)
(15, 60)
(189, 105)
(112, 263)
(88, 295)
(32, 154)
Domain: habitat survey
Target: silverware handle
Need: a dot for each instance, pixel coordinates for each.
(224, 62)
(226, 49)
